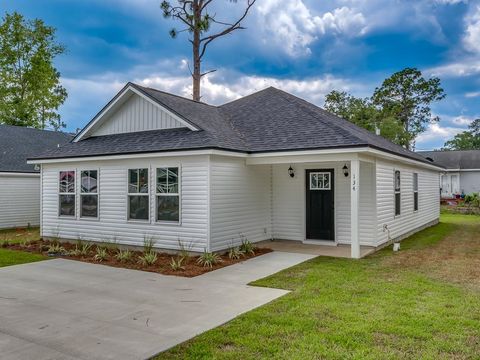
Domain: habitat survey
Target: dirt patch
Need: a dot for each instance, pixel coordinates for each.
(456, 258)
(162, 265)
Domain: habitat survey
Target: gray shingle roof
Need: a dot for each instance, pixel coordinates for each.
(268, 120)
(455, 159)
(19, 143)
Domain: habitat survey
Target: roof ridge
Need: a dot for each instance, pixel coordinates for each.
(35, 129)
(247, 96)
(171, 94)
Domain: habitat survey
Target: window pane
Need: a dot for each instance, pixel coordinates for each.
(133, 181)
(143, 180)
(162, 180)
(320, 178)
(167, 208)
(326, 181)
(138, 207)
(173, 180)
(67, 205)
(397, 180)
(89, 206)
(89, 181)
(67, 181)
(397, 204)
(415, 201)
(313, 181)
(415, 182)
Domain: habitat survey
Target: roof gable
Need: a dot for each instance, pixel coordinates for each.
(133, 110)
(455, 159)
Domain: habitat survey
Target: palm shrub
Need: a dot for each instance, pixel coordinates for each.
(208, 259)
(247, 247)
(235, 253)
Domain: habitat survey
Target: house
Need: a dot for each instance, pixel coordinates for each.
(462, 174)
(266, 166)
(20, 182)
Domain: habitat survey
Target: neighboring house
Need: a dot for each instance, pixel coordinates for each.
(462, 174)
(266, 166)
(19, 181)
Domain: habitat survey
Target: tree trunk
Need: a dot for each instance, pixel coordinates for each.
(196, 54)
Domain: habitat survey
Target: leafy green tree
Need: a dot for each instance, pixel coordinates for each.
(197, 20)
(30, 89)
(363, 113)
(467, 140)
(407, 95)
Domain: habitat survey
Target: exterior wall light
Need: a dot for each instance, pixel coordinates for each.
(291, 172)
(345, 170)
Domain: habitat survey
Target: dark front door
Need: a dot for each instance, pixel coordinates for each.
(320, 204)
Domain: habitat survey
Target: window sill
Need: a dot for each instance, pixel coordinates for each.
(169, 223)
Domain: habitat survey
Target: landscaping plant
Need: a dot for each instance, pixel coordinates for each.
(176, 264)
(123, 255)
(148, 258)
(247, 247)
(101, 254)
(234, 253)
(55, 249)
(208, 259)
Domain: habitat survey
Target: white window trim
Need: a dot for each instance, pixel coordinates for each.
(60, 216)
(147, 194)
(80, 193)
(395, 192)
(179, 194)
(320, 173)
(415, 191)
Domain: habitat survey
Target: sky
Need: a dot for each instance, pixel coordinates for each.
(305, 47)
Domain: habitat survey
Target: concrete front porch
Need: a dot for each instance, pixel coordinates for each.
(291, 246)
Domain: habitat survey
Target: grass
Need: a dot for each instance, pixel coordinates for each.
(420, 303)
(13, 257)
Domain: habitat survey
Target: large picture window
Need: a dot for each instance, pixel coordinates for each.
(138, 194)
(168, 194)
(397, 193)
(66, 193)
(415, 191)
(89, 193)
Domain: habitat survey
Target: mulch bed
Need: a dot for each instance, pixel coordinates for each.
(161, 266)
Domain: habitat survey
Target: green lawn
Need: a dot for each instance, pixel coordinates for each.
(12, 257)
(420, 303)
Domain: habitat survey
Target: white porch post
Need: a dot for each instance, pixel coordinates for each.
(354, 204)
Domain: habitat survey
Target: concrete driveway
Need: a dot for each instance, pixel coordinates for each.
(63, 309)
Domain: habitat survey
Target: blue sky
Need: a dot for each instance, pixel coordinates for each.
(306, 47)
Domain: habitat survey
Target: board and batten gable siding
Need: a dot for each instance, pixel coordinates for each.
(137, 114)
(240, 202)
(288, 216)
(19, 200)
(408, 220)
(112, 224)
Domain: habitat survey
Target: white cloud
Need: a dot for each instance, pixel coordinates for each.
(472, 94)
(462, 120)
(435, 134)
(293, 26)
(467, 67)
(471, 39)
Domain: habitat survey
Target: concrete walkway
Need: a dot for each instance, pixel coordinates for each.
(63, 309)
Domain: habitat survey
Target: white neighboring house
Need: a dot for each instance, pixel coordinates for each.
(266, 166)
(19, 181)
(462, 173)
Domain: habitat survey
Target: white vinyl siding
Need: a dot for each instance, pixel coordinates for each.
(19, 200)
(240, 202)
(408, 220)
(137, 114)
(288, 216)
(112, 224)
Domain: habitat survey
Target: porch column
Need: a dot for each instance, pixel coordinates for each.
(354, 204)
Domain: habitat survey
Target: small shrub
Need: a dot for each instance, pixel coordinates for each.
(148, 245)
(184, 251)
(148, 258)
(85, 249)
(208, 259)
(177, 264)
(123, 255)
(101, 254)
(235, 253)
(247, 247)
(56, 249)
